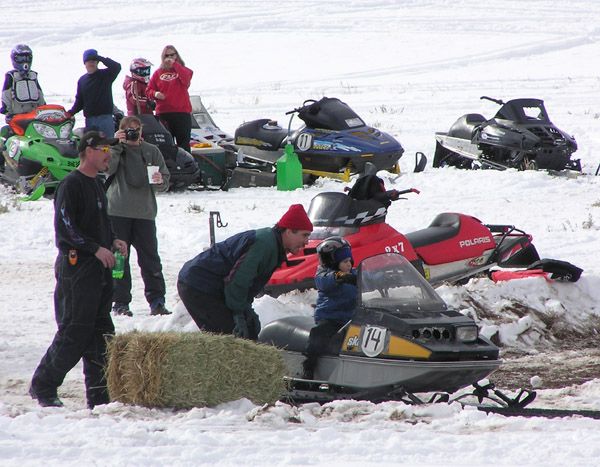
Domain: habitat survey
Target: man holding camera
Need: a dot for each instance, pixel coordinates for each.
(136, 171)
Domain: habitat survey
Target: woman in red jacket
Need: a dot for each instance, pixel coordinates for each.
(169, 88)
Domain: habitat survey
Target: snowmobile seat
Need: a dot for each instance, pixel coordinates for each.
(444, 226)
(464, 126)
(289, 333)
(264, 133)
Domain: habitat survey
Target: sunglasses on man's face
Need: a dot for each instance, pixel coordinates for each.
(102, 148)
(170, 55)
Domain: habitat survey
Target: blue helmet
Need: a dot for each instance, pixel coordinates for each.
(21, 57)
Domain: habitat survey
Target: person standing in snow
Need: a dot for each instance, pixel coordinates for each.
(135, 88)
(83, 292)
(169, 88)
(94, 93)
(337, 292)
(219, 285)
(21, 92)
(132, 209)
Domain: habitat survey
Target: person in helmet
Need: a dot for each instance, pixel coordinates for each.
(21, 92)
(336, 284)
(135, 88)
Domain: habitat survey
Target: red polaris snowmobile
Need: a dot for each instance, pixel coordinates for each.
(454, 248)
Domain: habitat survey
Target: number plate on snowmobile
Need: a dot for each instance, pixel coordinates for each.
(373, 340)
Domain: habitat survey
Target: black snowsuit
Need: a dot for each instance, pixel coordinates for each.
(83, 293)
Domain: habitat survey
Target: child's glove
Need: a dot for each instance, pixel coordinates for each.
(345, 278)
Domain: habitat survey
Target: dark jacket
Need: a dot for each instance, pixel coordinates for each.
(236, 270)
(94, 91)
(334, 301)
(80, 217)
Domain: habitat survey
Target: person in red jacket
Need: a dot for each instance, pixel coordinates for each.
(135, 88)
(169, 88)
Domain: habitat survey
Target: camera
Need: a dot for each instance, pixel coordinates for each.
(132, 134)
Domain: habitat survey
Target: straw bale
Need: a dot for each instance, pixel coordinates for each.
(184, 370)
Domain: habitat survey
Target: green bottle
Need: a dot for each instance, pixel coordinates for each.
(289, 170)
(119, 268)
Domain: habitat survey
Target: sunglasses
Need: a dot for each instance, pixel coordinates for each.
(170, 55)
(105, 149)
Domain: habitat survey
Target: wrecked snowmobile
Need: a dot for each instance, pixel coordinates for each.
(519, 136)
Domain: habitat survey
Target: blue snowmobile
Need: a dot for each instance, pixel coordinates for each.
(333, 139)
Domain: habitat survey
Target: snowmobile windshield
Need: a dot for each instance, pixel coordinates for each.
(524, 111)
(388, 281)
(321, 233)
(334, 209)
(330, 114)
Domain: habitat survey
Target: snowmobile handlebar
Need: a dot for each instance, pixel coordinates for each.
(306, 103)
(497, 101)
(409, 190)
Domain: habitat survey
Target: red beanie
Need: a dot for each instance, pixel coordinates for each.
(296, 219)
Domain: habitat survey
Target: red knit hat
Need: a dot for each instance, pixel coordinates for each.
(296, 219)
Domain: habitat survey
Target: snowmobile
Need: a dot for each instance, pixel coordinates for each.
(453, 248)
(333, 139)
(519, 136)
(402, 338)
(39, 150)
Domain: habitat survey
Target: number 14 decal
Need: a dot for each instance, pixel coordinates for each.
(373, 340)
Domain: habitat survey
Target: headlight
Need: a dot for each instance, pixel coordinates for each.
(65, 130)
(45, 130)
(467, 333)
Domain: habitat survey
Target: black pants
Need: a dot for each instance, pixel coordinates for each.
(82, 301)
(141, 234)
(318, 342)
(179, 125)
(208, 312)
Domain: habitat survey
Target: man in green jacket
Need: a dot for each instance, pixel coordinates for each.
(219, 285)
(132, 209)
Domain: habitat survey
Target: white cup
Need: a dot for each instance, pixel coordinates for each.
(152, 169)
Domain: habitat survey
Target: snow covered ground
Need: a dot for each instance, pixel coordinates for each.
(410, 68)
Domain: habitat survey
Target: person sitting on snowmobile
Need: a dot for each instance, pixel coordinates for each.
(21, 92)
(337, 292)
(135, 88)
(371, 187)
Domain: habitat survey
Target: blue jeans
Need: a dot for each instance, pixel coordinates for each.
(103, 123)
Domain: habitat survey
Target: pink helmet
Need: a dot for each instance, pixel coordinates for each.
(140, 69)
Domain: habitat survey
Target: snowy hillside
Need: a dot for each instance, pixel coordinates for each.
(408, 67)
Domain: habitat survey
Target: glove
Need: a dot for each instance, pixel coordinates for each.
(345, 278)
(240, 328)
(99, 58)
(393, 195)
(253, 323)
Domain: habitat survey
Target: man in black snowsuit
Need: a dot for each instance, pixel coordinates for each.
(83, 293)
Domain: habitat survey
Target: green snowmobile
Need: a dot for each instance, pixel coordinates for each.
(39, 150)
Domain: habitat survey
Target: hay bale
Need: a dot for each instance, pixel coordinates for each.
(184, 370)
